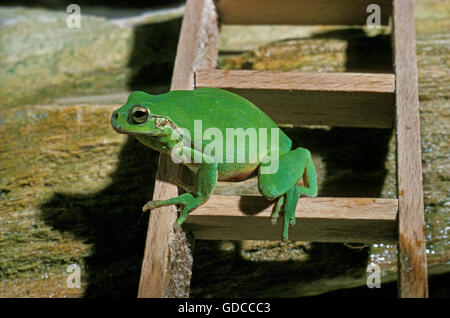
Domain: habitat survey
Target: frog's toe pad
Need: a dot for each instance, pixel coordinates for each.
(273, 221)
(148, 206)
(176, 226)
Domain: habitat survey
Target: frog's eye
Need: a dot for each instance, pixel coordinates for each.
(139, 114)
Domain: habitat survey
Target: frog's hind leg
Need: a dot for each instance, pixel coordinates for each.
(282, 183)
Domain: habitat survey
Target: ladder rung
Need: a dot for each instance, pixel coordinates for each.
(335, 99)
(318, 219)
(297, 81)
(342, 12)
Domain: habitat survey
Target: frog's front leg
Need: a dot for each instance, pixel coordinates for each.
(282, 183)
(204, 186)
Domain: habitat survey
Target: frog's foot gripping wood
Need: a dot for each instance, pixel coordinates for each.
(282, 183)
(205, 184)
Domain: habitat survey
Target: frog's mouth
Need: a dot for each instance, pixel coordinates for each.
(140, 133)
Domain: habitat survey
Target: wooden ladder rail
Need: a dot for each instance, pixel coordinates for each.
(412, 258)
(168, 251)
(360, 100)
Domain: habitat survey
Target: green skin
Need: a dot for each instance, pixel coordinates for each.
(154, 120)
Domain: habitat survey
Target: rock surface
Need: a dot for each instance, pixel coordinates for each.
(41, 58)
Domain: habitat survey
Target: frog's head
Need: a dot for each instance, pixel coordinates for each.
(136, 118)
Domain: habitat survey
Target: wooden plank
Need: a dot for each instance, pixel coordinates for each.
(335, 99)
(412, 256)
(318, 219)
(342, 12)
(167, 262)
(325, 82)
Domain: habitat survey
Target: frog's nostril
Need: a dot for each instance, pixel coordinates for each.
(116, 116)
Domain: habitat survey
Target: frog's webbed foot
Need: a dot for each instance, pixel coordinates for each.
(282, 184)
(187, 200)
(150, 205)
(290, 206)
(278, 206)
(288, 202)
(182, 199)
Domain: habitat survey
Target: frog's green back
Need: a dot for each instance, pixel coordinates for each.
(216, 108)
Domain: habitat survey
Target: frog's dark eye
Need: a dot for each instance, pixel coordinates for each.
(139, 114)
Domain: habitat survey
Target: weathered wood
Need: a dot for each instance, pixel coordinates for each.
(335, 99)
(318, 219)
(344, 12)
(412, 268)
(300, 81)
(166, 267)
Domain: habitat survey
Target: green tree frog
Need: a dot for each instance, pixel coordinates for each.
(221, 136)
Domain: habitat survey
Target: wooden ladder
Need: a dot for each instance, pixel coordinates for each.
(358, 100)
